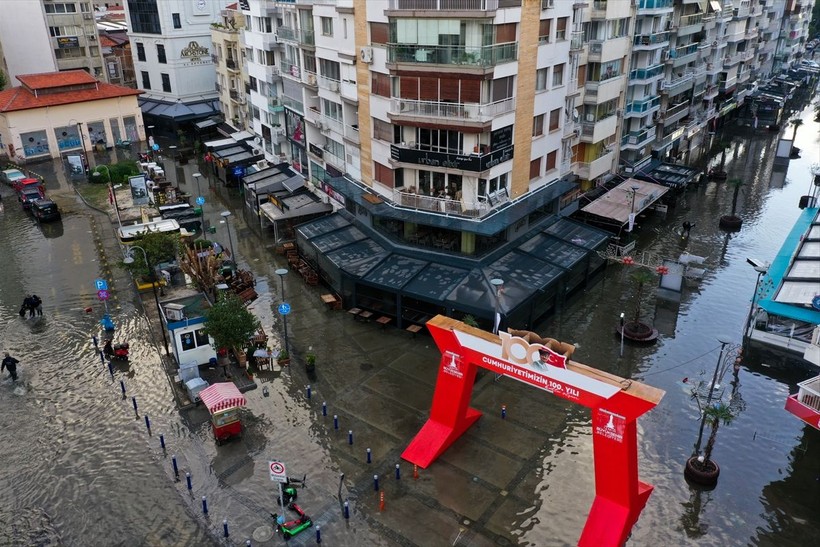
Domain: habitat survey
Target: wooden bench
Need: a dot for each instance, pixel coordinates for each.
(414, 329)
(332, 302)
(354, 312)
(365, 315)
(384, 320)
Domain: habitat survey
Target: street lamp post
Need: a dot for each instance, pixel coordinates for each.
(113, 192)
(225, 215)
(282, 272)
(130, 260)
(622, 334)
(498, 284)
(723, 342)
(200, 201)
(761, 268)
(634, 189)
(173, 149)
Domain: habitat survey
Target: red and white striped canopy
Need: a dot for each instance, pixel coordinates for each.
(221, 396)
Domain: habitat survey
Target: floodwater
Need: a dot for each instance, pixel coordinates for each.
(79, 466)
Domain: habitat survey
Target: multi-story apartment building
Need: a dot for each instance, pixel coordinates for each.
(171, 50)
(28, 48)
(231, 69)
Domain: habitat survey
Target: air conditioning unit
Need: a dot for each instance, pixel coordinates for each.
(366, 55)
(255, 152)
(590, 117)
(88, 16)
(320, 126)
(91, 37)
(262, 164)
(311, 79)
(175, 312)
(334, 86)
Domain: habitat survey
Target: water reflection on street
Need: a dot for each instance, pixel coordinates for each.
(79, 465)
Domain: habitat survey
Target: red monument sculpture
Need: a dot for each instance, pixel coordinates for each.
(616, 404)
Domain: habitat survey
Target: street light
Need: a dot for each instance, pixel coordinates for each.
(723, 342)
(110, 189)
(130, 260)
(761, 268)
(282, 272)
(622, 334)
(634, 189)
(173, 149)
(201, 206)
(225, 215)
(498, 284)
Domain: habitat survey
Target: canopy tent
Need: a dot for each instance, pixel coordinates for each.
(222, 396)
(631, 196)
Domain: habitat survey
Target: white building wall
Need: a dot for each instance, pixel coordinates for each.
(27, 47)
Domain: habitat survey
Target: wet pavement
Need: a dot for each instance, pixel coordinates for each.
(83, 464)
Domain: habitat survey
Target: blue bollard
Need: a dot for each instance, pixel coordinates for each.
(398, 472)
(324, 409)
(318, 534)
(376, 483)
(122, 387)
(225, 527)
(111, 369)
(349, 436)
(308, 391)
(188, 480)
(147, 423)
(204, 505)
(94, 339)
(335, 421)
(176, 468)
(134, 402)
(503, 411)
(368, 456)
(161, 440)
(347, 510)
(102, 358)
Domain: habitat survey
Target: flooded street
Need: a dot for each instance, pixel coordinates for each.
(80, 468)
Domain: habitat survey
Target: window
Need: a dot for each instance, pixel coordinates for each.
(503, 88)
(330, 69)
(146, 80)
(327, 26)
(541, 79)
(176, 20)
(555, 119)
(439, 140)
(383, 174)
(161, 54)
(380, 84)
(379, 33)
(561, 29)
(552, 157)
(193, 340)
(538, 125)
(144, 17)
(558, 75)
(166, 83)
(544, 31)
(344, 28)
(496, 184)
(332, 110)
(140, 51)
(382, 130)
(61, 8)
(69, 52)
(535, 169)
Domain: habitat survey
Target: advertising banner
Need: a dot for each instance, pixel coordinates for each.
(139, 189)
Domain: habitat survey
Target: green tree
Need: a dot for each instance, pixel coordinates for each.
(641, 277)
(229, 322)
(795, 123)
(159, 247)
(715, 415)
(4, 80)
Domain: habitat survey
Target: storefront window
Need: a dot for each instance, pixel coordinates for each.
(35, 143)
(130, 125)
(68, 137)
(294, 127)
(115, 129)
(96, 133)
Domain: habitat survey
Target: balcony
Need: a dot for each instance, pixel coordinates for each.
(598, 9)
(675, 113)
(445, 5)
(329, 84)
(421, 155)
(483, 56)
(310, 78)
(650, 41)
(237, 96)
(449, 112)
(731, 60)
(352, 133)
(643, 76)
(746, 56)
(604, 90)
(576, 42)
(683, 55)
(272, 73)
(231, 64)
(275, 105)
(593, 130)
(637, 139)
(647, 7)
(690, 24)
(597, 167)
(642, 107)
(678, 84)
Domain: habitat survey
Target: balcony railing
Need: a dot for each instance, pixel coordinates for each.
(655, 4)
(646, 73)
(643, 106)
(656, 38)
(451, 111)
(689, 20)
(428, 203)
(809, 393)
(352, 133)
(230, 63)
(453, 55)
(446, 5)
(329, 83)
(639, 138)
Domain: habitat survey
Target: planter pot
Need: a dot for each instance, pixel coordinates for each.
(310, 367)
(700, 474)
(283, 362)
(241, 357)
(730, 223)
(223, 360)
(637, 331)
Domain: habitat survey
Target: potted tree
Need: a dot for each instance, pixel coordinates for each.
(283, 358)
(731, 221)
(230, 323)
(310, 362)
(636, 330)
(702, 469)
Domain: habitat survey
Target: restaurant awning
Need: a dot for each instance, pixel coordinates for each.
(179, 111)
(303, 206)
(632, 195)
(221, 396)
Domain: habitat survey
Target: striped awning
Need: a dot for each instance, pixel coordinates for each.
(222, 396)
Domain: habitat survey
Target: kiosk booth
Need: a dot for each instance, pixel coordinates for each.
(223, 401)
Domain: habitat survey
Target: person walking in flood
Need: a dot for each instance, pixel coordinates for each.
(27, 307)
(10, 363)
(37, 305)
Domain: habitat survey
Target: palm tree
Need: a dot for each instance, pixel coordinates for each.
(635, 327)
(736, 184)
(795, 123)
(715, 415)
(732, 221)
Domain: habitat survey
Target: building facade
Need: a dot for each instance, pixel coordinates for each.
(231, 69)
(171, 51)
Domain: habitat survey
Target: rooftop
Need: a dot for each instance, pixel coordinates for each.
(43, 90)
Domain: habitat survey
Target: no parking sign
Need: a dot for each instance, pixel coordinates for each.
(277, 472)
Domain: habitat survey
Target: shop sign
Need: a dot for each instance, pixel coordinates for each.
(610, 425)
(316, 150)
(67, 41)
(194, 52)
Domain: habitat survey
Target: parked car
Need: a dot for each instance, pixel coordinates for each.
(26, 182)
(9, 176)
(29, 195)
(45, 210)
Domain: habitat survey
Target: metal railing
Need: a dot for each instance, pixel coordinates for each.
(452, 5)
(453, 55)
(453, 111)
(651, 39)
(809, 392)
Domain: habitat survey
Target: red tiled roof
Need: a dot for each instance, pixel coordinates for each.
(231, 6)
(105, 41)
(47, 80)
(21, 98)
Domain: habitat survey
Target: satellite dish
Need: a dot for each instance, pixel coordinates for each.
(575, 115)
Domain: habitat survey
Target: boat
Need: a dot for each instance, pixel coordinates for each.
(785, 313)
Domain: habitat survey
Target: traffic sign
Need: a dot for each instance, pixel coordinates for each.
(200, 200)
(277, 472)
(284, 308)
(102, 294)
(101, 284)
